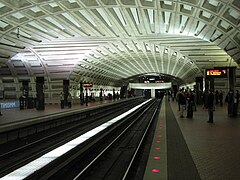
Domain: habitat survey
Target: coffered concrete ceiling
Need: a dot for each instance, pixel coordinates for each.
(106, 41)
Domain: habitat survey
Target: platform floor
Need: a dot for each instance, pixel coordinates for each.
(14, 115)
(215, 148)
(209, 151)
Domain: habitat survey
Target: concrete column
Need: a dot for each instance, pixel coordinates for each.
(25, 88)
(199, 89)
(153, 93)
(40, 104)
(209, 84)
(65, 91)
(81, 93)
(232, 78)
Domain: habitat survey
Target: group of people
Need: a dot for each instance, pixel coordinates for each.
(186, 101)
(69, 100)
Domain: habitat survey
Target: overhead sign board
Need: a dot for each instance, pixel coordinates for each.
(216, 73)
(87, 84)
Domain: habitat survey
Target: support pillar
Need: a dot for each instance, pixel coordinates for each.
(199, 90)
(153, 93)
(232, 78)
(25, 88)
(40, 104)
(81, 94)
(209, 84)
(65, 91)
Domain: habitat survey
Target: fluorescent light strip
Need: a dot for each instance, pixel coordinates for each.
(167, 17)
(135, 15)
(87, 16)
(42, 161)
(104, 16)
(36, 25)
(70, 18)
(53, 21)
(150, 15)
(120, 16)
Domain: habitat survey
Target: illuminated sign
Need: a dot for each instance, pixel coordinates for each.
(87, 85)
(159, 81)
(9, 105)
(216, 73)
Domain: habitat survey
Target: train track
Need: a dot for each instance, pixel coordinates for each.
(110, 154)
(15, 156)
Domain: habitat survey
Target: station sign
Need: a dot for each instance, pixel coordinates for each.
(216, 73)
(9, 105)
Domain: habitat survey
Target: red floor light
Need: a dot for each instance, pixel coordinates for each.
(156, 157)
(155, 170)
(158, 148)
(158, 141)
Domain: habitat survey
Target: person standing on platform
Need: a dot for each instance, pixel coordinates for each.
(216, 97)
(235, 104)
(62, 100)
(230, 101)
(177, 99)
(221, 98)
(182, 102)
(0, 110)
(191, 103)
(86, 99)
(210, 105)
(69, 99)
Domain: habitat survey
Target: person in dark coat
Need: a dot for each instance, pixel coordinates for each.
(191, 103)
(210, 105)
(62, 100)
(221, 98)
(182, 102)
(235, 104)
(230, 101)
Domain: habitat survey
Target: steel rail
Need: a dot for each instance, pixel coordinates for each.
(139, 145)
(110, 144)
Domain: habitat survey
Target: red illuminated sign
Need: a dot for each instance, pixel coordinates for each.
(216, 72)
(87, 85)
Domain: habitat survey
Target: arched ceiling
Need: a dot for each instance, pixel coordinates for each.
(106, 41)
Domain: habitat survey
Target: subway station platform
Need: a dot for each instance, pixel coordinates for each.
(191, 148)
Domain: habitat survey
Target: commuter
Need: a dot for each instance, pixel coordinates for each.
(101, 95)
(177, 99)
(86, 99)
(204, 99)
(169, 95)
(182, 102)
(235, 104)
(191, 103)
(210, 105)
(69, 100)
(230, 101)
(0, 110)
(117, 95)
(187, 93)
(217, 97)
(221, 98)
(114, 95)
(62, 100)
